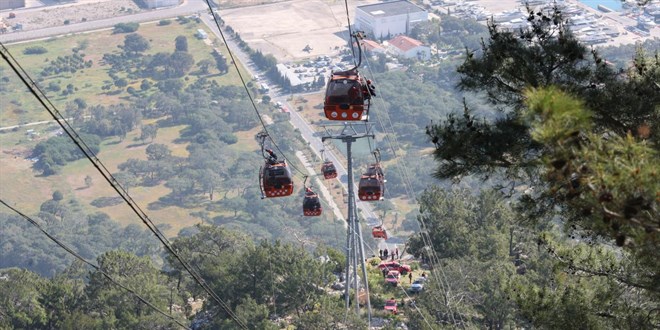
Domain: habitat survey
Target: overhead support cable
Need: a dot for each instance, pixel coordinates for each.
(97, 268)
(247, 90)
(350, 33)
(391, 137)
(107, 175)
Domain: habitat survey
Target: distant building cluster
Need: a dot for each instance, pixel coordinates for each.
(388, 19)
(11, 4)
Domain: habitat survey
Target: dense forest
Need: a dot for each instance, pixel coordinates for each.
(544, 213)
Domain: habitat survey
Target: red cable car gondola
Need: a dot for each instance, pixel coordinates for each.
(347, 95)
(328, 169)
(276, 179)
(379, 232)
(274, 176)
(372, 184)
(311, 204)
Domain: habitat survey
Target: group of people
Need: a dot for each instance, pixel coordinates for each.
(383, 254)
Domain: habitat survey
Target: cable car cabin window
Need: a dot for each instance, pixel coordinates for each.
(311, 203)
(344, 91)
(328, 166)
(368, 183)
(277, 176)
(281, 173)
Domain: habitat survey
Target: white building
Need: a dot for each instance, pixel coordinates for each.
(160, 3)
(387, 19)
(409, 48)
(11, 4)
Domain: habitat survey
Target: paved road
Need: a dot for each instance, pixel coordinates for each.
(188, 7)
(6, 128)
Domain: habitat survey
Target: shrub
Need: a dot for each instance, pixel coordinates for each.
(228, 138)
(35, 50)
(164, 22)
(126, 27)
(54, 87)
(57, 195)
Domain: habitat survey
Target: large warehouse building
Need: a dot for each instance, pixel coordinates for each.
(160, 3)
(385, 20)
(11, 4)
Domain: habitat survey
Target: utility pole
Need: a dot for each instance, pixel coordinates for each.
(354, 243)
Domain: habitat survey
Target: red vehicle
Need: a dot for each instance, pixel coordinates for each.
(393, 265)
(391, 305)
(393, 277)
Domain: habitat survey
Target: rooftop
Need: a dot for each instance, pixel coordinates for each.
(370, 45)
(391, 8)
(404, 43)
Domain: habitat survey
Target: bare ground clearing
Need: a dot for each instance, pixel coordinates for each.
(285, 28)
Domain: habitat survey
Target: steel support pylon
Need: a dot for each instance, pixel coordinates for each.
(354, 242)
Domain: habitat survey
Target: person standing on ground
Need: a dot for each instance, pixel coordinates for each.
(397, 253)
(380, 253)
(410, 277)
(385, 253)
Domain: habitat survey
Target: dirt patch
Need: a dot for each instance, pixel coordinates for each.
(285, 28)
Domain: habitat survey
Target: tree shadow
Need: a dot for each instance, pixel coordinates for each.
(172, 199)
(135, 145)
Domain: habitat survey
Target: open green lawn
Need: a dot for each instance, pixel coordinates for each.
(27, 190)
(19, 106)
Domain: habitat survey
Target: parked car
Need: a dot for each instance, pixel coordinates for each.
(392, 277)
(418, 285)
(391, 305)
(393, 265)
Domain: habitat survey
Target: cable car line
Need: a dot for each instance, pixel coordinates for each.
(411, 193)
(403, 171)
(97, 268)
(350, 34)
(247, 90)
(107, 175)
(401, 168)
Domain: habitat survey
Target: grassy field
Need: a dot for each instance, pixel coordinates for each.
(19, 107)
(24, 188)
